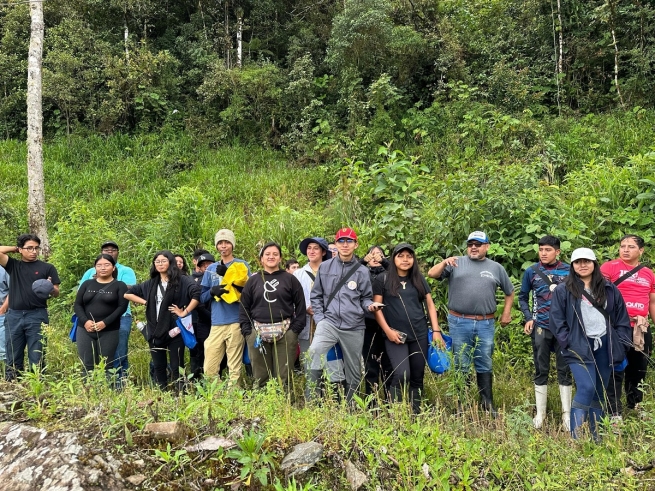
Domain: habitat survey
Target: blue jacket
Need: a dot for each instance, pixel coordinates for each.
(565, 315)
(541, 293)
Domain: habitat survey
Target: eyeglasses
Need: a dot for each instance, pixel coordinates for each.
(345, 241)
(474, 244)
(109, 251)
(31, 249)
(162, 261)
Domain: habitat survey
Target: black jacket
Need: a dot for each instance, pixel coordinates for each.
(565, 315)
(272, 297)
(185, 291)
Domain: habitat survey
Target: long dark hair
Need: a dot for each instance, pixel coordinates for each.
(173, 271)
(111, 259)
(184, 269)
(392, 284)
(576, 286)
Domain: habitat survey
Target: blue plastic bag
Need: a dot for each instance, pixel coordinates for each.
(188, 337)
(73, 332)
(439, 359)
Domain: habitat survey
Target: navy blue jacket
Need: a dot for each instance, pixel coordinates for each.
(565, 315)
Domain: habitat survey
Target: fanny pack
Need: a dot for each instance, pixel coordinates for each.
(270, 333)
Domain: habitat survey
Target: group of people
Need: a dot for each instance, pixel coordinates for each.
(373, 312)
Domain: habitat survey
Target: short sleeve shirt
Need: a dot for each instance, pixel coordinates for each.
(23, 274)
(4, 285)
(404, 312)
(635, 289)
(472, 285)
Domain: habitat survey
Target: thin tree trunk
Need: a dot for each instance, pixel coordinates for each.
(557, 60)
(612, 20)
(126, 38)
(35, 182)
(239, 41)
(561, 38)
(228, 41)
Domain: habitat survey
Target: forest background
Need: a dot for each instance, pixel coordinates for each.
(413, 121)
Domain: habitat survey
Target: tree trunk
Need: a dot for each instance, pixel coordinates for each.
(239, 41)
(36, 187)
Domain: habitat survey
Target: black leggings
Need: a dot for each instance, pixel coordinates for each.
(91, 347)
(159, 349)
(408, 362)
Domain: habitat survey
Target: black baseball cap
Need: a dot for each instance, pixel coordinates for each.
(204, 258)
(109, 243)
(403, 246)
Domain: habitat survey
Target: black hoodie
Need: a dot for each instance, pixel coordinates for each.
(272, 297)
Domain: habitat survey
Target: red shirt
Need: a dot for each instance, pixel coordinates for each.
(635, 290)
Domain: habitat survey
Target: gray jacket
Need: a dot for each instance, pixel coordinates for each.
(346, 311)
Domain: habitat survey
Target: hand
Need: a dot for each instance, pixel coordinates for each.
(99, 326)
(218, 290)
(505, 319)
(375, 306)
(527, 329)
(310, 311)
(176, 310)
(450, 261)
(221, 269)
(3, 310)
(393, 336)
(89, 326)
(438, 339)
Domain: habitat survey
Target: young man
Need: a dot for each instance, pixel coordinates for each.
(637, 286)
(201, 315)
(127, 276)
(316, 250)
(4, 306)
(221, 285)
(472, 283)
(342, 292)
(32, 283)
(541, 279)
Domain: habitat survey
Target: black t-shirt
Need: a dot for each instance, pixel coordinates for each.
(405, 312)
(101, 302)
(21, 276)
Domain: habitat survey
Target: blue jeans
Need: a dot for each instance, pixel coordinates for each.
(23, 328)
(2, 337)
(120, 357)
(471, 337)
(591, 379)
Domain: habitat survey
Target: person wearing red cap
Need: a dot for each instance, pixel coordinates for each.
(342, 293)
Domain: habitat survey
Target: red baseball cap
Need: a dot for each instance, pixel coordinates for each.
(347, 233)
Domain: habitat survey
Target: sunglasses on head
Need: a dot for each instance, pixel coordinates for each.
(344, 240)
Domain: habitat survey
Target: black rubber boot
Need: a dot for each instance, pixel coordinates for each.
(485, 386)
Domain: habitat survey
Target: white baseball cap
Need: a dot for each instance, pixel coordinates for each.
(583, 253)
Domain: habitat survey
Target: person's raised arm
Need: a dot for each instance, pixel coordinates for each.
(4, 250)
(437, 270)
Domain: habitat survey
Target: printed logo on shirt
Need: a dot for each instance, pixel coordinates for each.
(352, 284)
(487, 274)
(270, 287)
(635, 305)
(635, 278)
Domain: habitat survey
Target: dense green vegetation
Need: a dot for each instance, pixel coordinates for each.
(411, 120)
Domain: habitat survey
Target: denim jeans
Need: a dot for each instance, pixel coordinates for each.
(23, 328)
(2, 337)
(472, 337)
(120, 357)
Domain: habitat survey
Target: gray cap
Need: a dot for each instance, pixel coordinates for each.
(42, 288)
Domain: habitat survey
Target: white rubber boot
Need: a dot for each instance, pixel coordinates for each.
(540, 393)
(565, 396)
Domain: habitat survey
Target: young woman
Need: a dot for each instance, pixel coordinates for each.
(181, 264)
(99, 305)
(272, 314)
(405, 293)
(167, 295)
(590, 320)
(376, 361)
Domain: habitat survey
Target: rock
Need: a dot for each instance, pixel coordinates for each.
(302, 458)
(136, 479)
(236, 433)
(171, 431)
(212, 444)
(355, 477)
(32, 459)
(139, 463)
